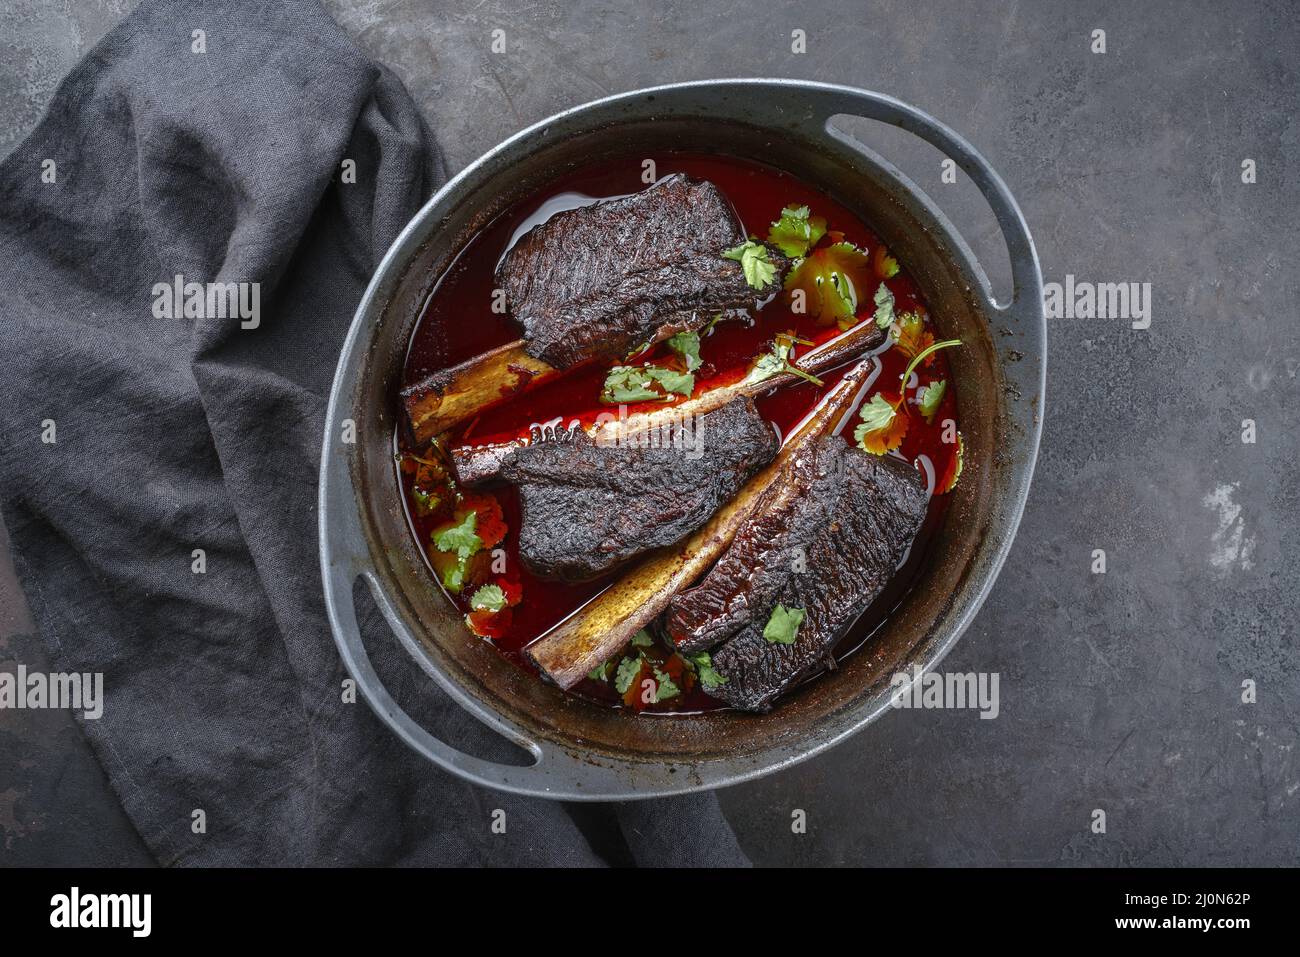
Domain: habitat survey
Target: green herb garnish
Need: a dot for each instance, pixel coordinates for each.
(628, 670)
(425, 502)
(635, 384)
(884, 306)
(927, 351)
(687, 345)
(760, 271)
(704, 670)
(488, 598)
(664, 687)
(461, 541)
(872, 433)
(642, 639)
(931, 397)
(783, 626)
(453, 578)
(459, 538)
(778, 360)
(600, 672)
(796, 232)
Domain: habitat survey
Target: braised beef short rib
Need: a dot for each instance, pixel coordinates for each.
(826, 538)
(604, 279)
(589, 508)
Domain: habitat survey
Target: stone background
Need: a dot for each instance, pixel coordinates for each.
(1119, 691)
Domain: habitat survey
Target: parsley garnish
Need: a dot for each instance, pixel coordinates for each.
(453, 579)
(881, 429)
(642, 639)
(876, 416)
(634, 384)
(687, 345)
(783, 626)
(664, 687)
(462, 541)
(927, 351)
(884, 306)
(703, 665)
(425, 502)
(760, 271)
(796, 232)
(778, 360)
(931, 397)
(886, 265)
(459, 538)
(600, 672)
(488, 598)
(628, 670)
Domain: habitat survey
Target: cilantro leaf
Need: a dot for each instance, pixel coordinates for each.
(886, 266)
(768, 365)
(635, 384)
(628, 384)
(453, 578)
(832, 279)
(664, 687)
(642, 639)
(628, 670)
(459, 538)
(881, 428)
(703, 665)
(760, 271)
(682, 383)
(884, 306)
(783, 626)
(488, 598)
(876, 414)
(778, 360)
(909, 333)
(931, 398)
(600, 672)
(796, 232)
(687, 345)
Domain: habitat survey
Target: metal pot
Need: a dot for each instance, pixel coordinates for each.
(586, 752)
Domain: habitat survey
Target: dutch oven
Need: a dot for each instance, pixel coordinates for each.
(583, 751)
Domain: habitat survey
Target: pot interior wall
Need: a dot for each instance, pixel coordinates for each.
(542, 710)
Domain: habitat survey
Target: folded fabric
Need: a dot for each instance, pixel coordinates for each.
(159, 471)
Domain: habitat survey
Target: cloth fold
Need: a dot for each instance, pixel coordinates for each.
(158, 475)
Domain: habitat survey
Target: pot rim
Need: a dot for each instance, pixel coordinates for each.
(570, 772)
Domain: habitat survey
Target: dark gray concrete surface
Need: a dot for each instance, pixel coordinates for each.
(1119, 692)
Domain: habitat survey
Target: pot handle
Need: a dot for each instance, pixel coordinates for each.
(1026, 276)
(554, 773)
(347, 632)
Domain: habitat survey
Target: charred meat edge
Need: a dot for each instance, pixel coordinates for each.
(852, 517)
(452, 396)
(603, 280)
(476, 464)
(604, 625)
(588, 509)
